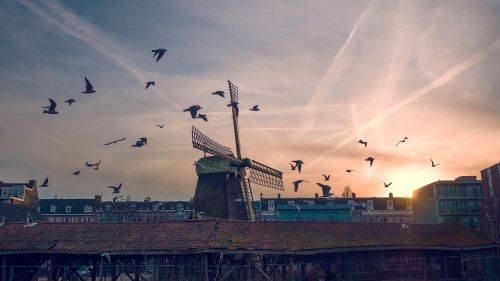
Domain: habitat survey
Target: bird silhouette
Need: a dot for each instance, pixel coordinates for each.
(349, 170)
(293, 167)
(70, 101)
(159, 53)
(327, 178)
(51, 109)
(219, 93)
(296, 184)
(370, 159)
(365, 143)
(115, 141)
(193, 110)
(433, 164)
(149, 83)
(255, 108)
(116, 198)
(386, 185)
(160, 126)
(202, 116)
(325, 189)
(116, 189)
(89, 89)
(403, 140)
(96, 165)
(234, 104)
(140, 142)
(76, 173)
(45, 183)
(298, 164)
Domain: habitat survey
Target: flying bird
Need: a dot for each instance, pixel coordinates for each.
(296, 184)
(370, 159)
(116, 198)
(403, 140)
(149, 83)
(76, 173)
(70, 101)
(365, 143)
(293, 167)
(160, 126)
(202, 116)
(116, 189)
(89, 89)
(255, 108)
(349, 170)
(219, 93)
(386, 185)
(115, 141)
(51, 109)
(298, 164)
(45, 183)
(193, 110)
(96, 165)
(140, 142)
(325, 189)
(327, 178)
(159, 52)
(433, 164)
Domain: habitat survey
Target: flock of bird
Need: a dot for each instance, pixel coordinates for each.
(325, 188)
(89, 89)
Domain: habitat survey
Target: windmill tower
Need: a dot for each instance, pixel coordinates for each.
(223, 189)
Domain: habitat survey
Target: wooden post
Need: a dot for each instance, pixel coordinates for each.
(4, 268)
(205, 261)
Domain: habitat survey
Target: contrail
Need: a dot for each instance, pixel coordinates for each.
(69, 23)
(334, 70)
(447, 76)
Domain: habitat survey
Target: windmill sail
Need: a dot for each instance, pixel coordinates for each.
(266, 176)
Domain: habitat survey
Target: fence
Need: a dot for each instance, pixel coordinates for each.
(450, 268)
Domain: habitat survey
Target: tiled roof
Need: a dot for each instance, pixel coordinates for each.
(18, 213)
(77, 206)
(216, 235)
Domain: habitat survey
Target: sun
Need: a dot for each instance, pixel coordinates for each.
(406, 179)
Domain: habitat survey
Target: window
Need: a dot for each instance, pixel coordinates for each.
(390, 205)
(132, 207)
(87, 219)
(58, 219)
(100, 218)
(370, 204)
(291, 203)
(310, 202)
(52, 208)
(409, 205)
(51, 219)
(74, 219)
(67, 219)
(270, 205)
(108, 207)
(155, 207)
(14, 192)
(68, 209)
(88, 209)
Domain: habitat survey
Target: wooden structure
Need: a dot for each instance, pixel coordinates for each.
(235, 250)
(223, 189)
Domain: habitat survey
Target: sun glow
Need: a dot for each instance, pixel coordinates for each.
(406, 179)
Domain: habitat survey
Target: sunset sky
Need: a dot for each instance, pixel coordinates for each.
(325, 73)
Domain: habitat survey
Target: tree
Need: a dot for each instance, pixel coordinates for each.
(347, 193)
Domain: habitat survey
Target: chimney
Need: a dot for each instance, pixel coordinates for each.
(98, 198)
(261, 196)
(279, 195)
(390, 195)
(353, 195)
(316, 195)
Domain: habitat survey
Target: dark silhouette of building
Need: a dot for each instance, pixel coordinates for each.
(449, 201)
(490, 214)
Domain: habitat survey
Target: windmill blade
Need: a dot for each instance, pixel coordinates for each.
(205, 144)
(266, 176)
(233, 90)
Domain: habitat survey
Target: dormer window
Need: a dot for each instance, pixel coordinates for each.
(68, 209)
(370, 204)
(390, 205)
(88, 209)
(52, 208)
(291, 203)
(270, 205)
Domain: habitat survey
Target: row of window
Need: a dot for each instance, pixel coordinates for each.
(460, 191)
(458, 206)
(86, 209)
(70, 219)
(144, 217)
(12, 192)
(155, 207)
(379, 219)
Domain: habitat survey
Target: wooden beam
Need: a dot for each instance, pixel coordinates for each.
(4, 268)
(259, 268)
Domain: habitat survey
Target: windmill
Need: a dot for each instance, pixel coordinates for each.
(223, 189)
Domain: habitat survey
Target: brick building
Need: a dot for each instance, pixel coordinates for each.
(490, 214)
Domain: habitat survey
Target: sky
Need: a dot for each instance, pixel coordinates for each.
(324, 73)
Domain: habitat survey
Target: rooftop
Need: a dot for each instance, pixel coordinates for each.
(226, 235)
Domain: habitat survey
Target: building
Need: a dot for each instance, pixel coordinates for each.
(380, 209)
(239, 250)
(68, 210)
(20, 193)
(449, 201)
(122, 211)
(490, 214)
(313, 209)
